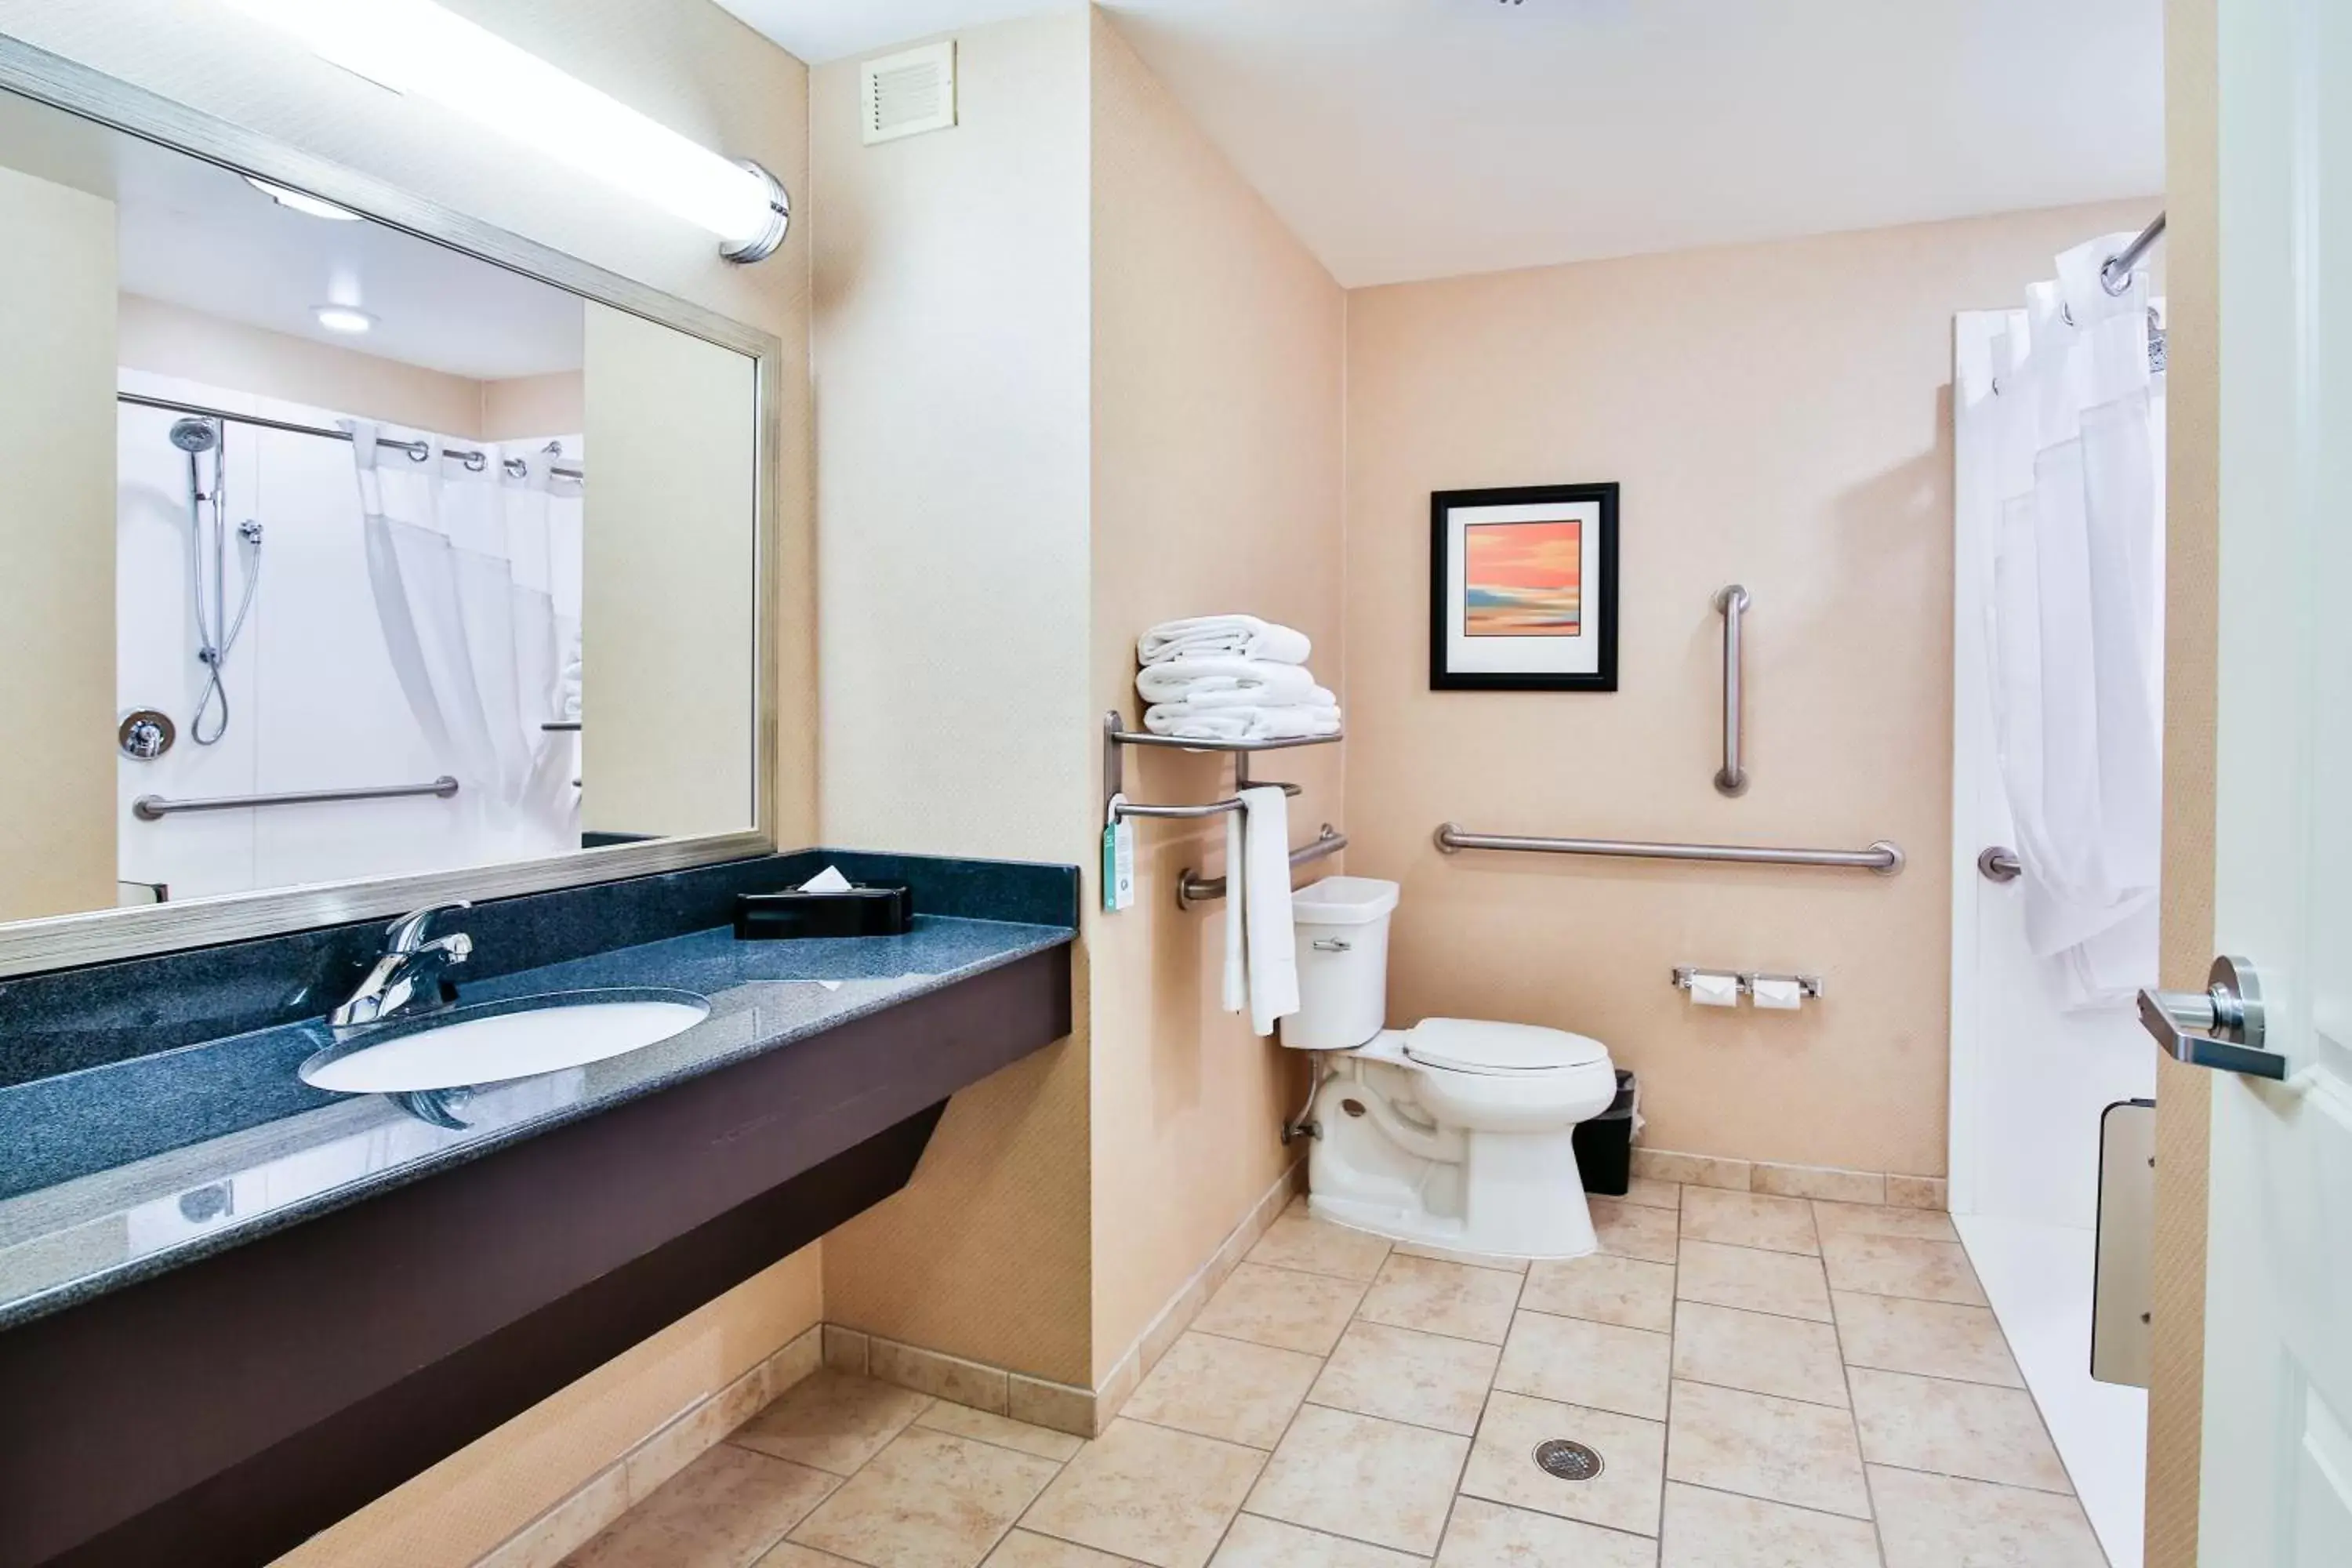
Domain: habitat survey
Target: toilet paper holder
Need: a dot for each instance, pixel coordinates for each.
(1808, 986)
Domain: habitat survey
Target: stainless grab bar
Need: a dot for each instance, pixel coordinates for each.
(1882, 856)
(1192, 890)
(155, 807)
(1126, 808)
(1733, 602)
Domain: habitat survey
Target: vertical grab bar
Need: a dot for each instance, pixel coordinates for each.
(1732, 778)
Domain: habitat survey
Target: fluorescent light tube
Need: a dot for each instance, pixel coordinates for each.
(415, 48)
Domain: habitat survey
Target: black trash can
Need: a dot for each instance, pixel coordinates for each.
(1604, 1146)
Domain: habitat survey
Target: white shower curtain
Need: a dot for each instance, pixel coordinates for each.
(2073, 428)
(476, 575)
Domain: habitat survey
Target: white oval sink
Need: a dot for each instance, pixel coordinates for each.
(500, 1040)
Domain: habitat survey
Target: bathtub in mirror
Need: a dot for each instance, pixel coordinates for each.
(352, 554)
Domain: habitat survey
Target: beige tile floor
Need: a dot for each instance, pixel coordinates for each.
(1772, 1382)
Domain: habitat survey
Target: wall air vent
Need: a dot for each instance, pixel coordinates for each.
(903, 94)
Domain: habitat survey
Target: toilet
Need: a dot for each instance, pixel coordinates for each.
(1456, 1133)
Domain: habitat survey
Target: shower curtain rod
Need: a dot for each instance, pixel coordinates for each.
(419, 450)
(2116, 275)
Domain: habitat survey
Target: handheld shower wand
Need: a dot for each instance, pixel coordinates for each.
(216, 633)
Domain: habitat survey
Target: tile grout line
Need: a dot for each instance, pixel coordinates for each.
(1976, 1481)
(1486, 1400)
(2039, 1415)
(1854, 1417)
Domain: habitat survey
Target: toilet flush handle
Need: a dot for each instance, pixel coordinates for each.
(1333, 945)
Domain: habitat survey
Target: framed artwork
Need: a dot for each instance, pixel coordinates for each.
(1523, 589)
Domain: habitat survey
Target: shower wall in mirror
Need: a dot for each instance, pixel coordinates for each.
(331, 553)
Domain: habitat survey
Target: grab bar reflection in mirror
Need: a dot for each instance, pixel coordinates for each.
(155, 807)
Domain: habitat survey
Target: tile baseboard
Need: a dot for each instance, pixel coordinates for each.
(1063, 1407)
(677, 1443)
(1824, 1181)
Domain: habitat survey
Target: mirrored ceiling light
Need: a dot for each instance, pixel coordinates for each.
(294, 201)
(414, 47)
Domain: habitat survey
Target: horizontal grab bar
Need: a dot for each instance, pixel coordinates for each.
(1882, 856)
(1192, 890)
(155, 807)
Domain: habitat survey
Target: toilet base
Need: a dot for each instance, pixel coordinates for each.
(1382, 1169)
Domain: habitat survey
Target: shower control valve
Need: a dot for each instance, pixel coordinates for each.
(146, 734)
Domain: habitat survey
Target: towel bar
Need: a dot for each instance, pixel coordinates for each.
(1193, 889)
(1118, 736)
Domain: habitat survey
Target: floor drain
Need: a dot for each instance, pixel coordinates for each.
(1569, 1461)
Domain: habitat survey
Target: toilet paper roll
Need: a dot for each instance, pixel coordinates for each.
(1781, 994)
(1708, 990)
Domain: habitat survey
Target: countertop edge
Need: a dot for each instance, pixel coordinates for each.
(63, 1297)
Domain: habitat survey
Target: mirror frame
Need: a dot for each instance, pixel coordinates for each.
(96, 936)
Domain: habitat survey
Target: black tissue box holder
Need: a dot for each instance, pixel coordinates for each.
(887, 910)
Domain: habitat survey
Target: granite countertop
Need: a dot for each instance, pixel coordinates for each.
(119, 1172)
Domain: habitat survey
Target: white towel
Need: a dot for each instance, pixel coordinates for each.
(1244, 634)
(1265, 867)
(1191, 721)
(1199, 675)
(1236, 901)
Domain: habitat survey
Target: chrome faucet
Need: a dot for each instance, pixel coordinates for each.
(411, 970)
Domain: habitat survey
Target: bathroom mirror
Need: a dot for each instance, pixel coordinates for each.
(347, 565)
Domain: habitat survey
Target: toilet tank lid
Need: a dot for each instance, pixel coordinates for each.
(1343, 901)
(1474, 1045)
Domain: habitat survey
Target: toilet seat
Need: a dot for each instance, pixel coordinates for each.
(1480, 1047)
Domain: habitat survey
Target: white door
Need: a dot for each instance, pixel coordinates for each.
(2277, 1483)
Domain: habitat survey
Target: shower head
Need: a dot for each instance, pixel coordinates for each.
(194, 435)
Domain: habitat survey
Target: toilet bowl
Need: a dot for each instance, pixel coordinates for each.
(1456, 1133)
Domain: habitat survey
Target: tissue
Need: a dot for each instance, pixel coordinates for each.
(1783, 994)
(1708, 990)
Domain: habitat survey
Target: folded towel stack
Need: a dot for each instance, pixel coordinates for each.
(1231, 677)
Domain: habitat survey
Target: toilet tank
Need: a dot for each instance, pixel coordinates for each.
(1342, 924)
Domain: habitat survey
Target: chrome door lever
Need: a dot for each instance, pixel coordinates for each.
(2220, 1026)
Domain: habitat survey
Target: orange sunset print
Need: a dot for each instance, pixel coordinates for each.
(1522, 579)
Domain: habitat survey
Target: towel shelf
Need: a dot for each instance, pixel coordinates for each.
(1193, 889)
(1117, 737)
(1882, 856)
(1113, 732)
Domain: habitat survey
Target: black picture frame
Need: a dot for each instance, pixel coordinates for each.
(1603, 601)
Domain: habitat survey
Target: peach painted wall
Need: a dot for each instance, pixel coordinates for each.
(951, 350)
(1218, 373)
(1778, 416)
(57, 547)
(463, 1507)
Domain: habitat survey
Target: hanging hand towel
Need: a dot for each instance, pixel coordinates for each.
(1265, 864)
(1244, 635)
(1236, 903)
(1193, 675)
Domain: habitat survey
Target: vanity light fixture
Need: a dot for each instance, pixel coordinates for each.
(342, 319)
(417, 47)
(294, 201)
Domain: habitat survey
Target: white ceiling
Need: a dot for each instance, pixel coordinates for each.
(192, 234)
(1409, 139)
(199, 236)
